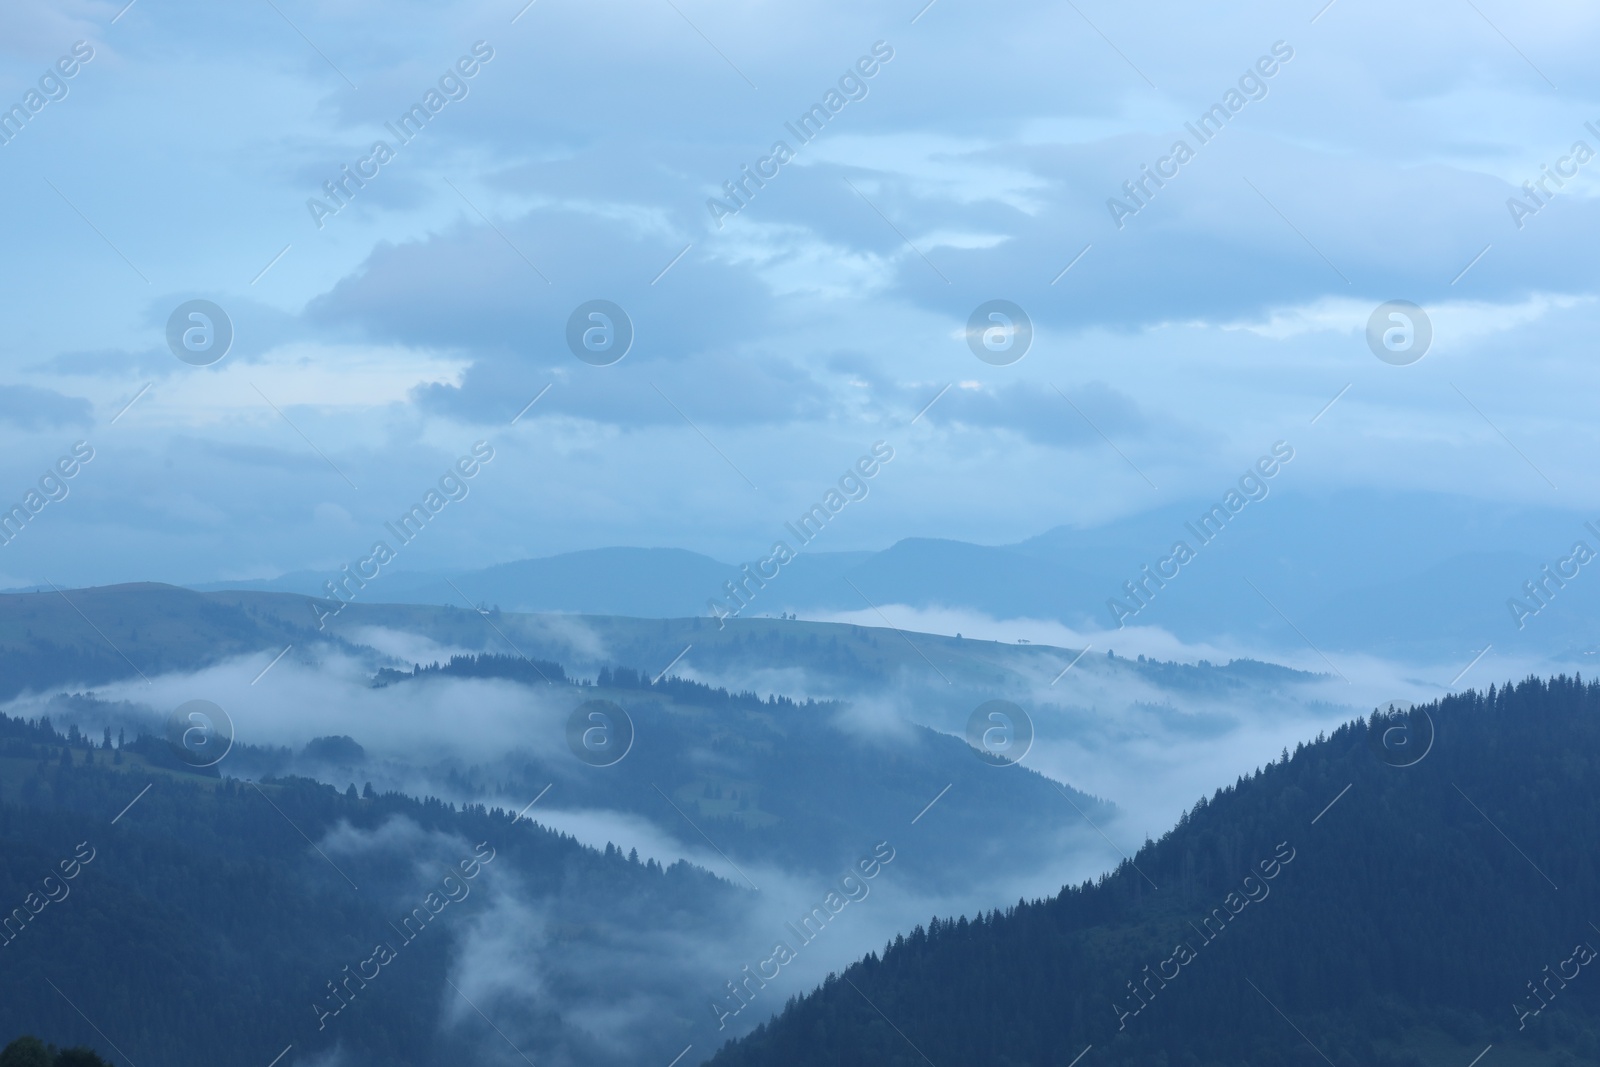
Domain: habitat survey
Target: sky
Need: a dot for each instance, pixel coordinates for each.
(575, 153)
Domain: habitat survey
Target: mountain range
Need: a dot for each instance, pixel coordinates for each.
(1414, 575)
(372, 751)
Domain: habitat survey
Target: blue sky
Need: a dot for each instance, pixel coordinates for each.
(823, 316)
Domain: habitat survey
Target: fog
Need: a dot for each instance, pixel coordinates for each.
(637, 984)
(1109, 730)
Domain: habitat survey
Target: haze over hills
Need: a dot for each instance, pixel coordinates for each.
(1268, 577)
(755, 804)
(771, 797)
(1414, 889)
(157, 643)
(735, 812)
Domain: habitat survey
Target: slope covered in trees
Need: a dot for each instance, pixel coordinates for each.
(768, 778)
(29, 1051)
(1351, 904)
(201, 920)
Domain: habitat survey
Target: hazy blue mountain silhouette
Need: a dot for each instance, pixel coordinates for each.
(1386, 573)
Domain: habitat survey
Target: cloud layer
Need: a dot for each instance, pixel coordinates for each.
(1216, 309)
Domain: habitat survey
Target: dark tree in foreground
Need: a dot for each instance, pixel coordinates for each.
(31, 1052)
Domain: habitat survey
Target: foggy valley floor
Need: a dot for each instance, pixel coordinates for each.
(674, 859)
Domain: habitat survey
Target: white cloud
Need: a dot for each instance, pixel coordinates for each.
(1455, 322)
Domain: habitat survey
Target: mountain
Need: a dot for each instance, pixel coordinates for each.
(647, 582)
(770, 780)
(1412, 889)
(205, 920)
(1439, 591)
(763, 805)
(90, 636)
(777, 781)
(882, 720)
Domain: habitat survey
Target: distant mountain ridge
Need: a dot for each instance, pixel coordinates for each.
(1274, 577)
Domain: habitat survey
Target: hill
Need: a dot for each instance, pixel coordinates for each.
(90, 636)
(1439, 593)
(1351, 904)
(291, 874)
(202, 920)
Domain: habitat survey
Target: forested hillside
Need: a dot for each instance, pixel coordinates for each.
(1409, 890)
(773, 778)
(209, 920)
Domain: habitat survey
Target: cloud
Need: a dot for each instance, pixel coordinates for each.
(35, 35)
(1455, 323)
(405, 646)
(478, 287)
(32, 408)
(1151, 737)
(107, 362)
(1040, 413)
(826, 312)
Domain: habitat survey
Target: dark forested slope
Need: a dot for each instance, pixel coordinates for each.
(203, 920)
(1406, 891)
